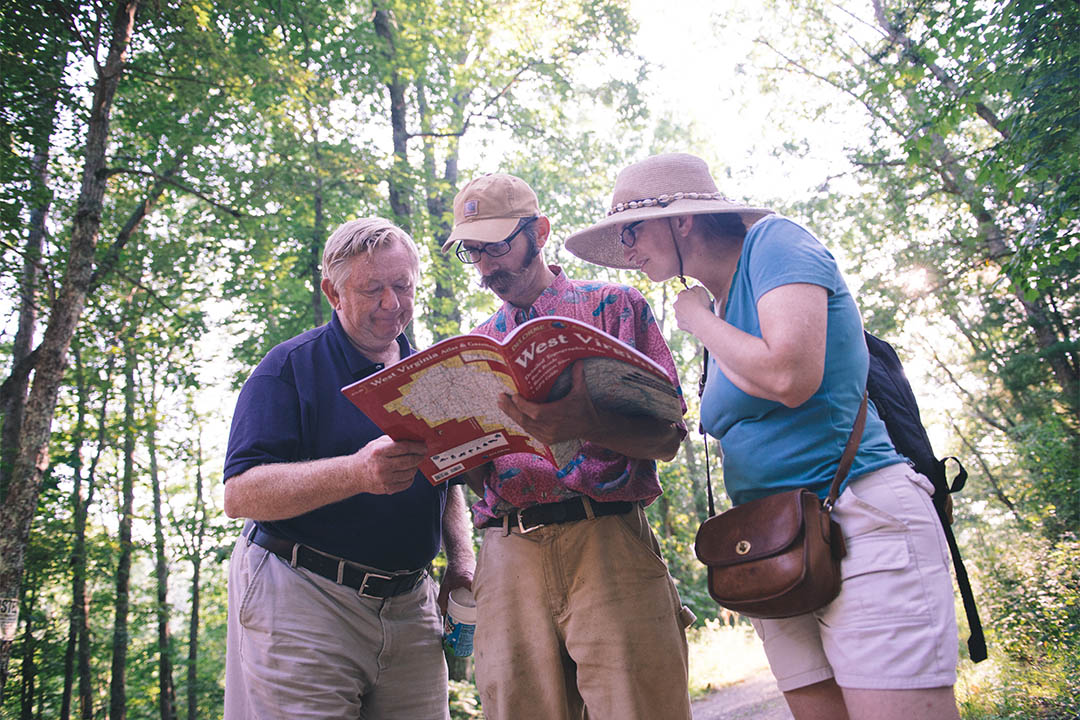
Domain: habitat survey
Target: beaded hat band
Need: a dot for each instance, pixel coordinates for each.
(658, 186)
(664, 201)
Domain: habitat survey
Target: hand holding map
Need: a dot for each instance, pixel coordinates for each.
(448, 395)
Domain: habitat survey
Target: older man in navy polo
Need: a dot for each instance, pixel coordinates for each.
(331, 611)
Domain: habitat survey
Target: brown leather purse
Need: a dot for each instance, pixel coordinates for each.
(777, 556)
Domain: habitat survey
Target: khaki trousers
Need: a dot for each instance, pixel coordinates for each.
(301, 646)
(579, 617)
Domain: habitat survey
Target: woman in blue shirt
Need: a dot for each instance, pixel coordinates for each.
(786, 375)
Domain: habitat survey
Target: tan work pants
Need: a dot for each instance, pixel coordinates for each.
(579, 616)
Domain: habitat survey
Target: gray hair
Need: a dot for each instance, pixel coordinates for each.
(362, 236)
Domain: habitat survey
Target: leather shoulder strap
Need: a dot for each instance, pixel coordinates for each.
(850, 449)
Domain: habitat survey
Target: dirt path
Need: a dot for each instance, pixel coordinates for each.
(754, 698)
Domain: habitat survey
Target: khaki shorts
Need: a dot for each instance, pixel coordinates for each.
(893, 626)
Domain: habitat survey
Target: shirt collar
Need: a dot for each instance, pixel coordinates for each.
(545, 304)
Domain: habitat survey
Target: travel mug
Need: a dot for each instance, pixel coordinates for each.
(460, 623)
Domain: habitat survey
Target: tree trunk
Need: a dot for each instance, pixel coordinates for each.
(446, 306)
(27, 689)
(31, 460)
(121, 636)
(86, 698)
(196, 567)
(11, 410)
(386, 28)
(166, 690)
(696, 470)
(15, 402)
(318, 239)
(77, 612)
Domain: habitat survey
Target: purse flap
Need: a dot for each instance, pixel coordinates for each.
(757, 529)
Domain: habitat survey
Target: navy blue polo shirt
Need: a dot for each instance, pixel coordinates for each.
(291, 409)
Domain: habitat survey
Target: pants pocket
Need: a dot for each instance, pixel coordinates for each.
(879, 580)
(255, 602)
(635, 527)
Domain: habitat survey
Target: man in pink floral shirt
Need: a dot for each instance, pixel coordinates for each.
(576, 611)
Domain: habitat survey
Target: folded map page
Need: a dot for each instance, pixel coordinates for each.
(448, 394)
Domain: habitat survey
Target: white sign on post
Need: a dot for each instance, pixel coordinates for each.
(9, 618)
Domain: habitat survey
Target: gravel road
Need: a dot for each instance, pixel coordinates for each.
(754, 698)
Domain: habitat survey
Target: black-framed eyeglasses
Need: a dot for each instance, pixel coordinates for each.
(472, 255)
(627, 236)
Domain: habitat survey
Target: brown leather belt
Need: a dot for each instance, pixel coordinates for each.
(368, 583)
(536, 516)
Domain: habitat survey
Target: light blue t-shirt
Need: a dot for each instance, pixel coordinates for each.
(769, 448)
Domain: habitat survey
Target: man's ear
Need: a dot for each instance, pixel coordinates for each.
(543, 230)
(330, 292)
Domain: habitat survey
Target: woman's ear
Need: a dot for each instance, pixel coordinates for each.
(683, 224)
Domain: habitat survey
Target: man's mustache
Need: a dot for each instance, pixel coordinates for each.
(499, 277)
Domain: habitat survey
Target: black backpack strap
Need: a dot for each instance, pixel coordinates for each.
(976, 641)
(960, 480)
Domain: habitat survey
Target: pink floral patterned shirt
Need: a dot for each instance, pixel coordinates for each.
(521, 480)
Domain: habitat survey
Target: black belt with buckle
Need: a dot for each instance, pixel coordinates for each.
(368, 583)
(536, 516)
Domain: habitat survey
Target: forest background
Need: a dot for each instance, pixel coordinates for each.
(170, 170)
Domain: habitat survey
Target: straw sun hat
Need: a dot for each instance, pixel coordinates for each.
(659, 186)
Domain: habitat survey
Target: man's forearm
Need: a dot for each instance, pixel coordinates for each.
(457, 532)
(276, 491)
(284, 490)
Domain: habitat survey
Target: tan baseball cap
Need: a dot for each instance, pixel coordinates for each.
(489, 208)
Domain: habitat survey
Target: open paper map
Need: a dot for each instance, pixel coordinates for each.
(447, 395)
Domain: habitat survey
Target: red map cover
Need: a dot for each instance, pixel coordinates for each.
(447, 395)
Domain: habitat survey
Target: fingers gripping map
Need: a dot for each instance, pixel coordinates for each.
(478, 379)
(448, 394)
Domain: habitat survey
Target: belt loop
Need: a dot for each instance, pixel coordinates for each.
(250, 534)
(295, 550)
(340, 570)
(588, 507)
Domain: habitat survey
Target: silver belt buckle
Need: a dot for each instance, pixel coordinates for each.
(363, 584)
(522, 529)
